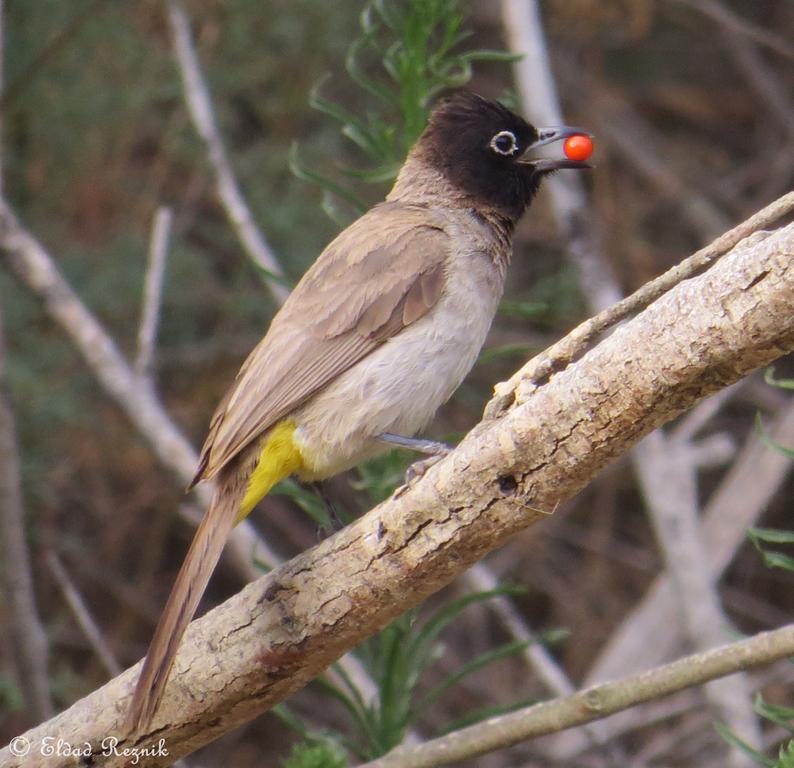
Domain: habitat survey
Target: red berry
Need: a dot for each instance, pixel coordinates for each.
(578, 147)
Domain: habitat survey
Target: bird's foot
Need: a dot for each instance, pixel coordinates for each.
(419, 468)
(435, 450)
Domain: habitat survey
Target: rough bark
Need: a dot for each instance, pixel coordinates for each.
(280, 631)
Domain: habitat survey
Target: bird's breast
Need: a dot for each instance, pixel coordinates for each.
(399, 386)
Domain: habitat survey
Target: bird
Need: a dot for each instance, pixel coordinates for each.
(376, 336)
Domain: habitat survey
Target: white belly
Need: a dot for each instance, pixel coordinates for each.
(399, 387)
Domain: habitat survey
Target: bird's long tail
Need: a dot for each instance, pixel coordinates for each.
(240, 485)
(200, 562)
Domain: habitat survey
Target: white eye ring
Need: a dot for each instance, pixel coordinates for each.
(498, 139)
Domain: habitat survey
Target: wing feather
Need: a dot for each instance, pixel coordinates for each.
(384, 272)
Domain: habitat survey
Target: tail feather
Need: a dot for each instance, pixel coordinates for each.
(200, 562)
(240, 485)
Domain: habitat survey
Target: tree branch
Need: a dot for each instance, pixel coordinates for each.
(573, 344)
(280, 631)
(746, 490)
(672, 499)
(153, 293)
(82, 615)
(594, 703)
(201, 113)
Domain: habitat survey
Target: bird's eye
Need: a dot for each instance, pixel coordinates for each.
(504, 143)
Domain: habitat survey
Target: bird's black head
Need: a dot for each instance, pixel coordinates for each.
(479, 146)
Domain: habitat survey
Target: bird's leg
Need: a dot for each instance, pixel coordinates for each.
(336, 523)
(430, 447)
(435, 452)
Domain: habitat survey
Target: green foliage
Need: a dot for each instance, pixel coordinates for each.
(769, 377)
(769, 442)
(786, 756)
(308, 500)
(397, 660)
(379, 477)
(316, 754)
(734, 740)
(762, 536)
(773, 558)
(518, 350)
(11, 697)
(552, 301)
(780, 716)
(414, 48)
(523, 308)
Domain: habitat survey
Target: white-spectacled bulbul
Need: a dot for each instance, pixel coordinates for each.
(376, 336)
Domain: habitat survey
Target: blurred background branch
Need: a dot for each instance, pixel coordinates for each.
(28, 633)
(29, 644)
(203, 117)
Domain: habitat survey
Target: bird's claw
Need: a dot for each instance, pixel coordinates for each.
(416, 471)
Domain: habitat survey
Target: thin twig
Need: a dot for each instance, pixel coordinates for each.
(577, 341)
(153, 293)
(538, 658)
(646, 716)
(722, 14)
(752, 67)
(631, 136)
(548, 671)
(713, 451)
(201, 112)
(593, 703)
(690, 424)
(28, 630)
(739, 501)
(83, 616)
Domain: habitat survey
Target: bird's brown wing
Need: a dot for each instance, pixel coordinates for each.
(381, 274)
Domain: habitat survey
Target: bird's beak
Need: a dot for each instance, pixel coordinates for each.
(549, 136)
